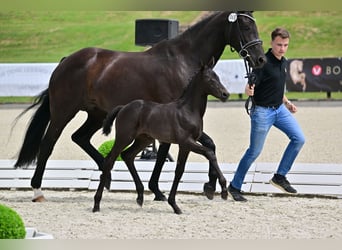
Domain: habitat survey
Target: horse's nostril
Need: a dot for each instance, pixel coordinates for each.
(225, 95)
(262, 59)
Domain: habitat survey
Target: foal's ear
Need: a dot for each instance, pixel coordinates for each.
(211, 63)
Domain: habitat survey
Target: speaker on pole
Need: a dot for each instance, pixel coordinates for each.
(152, 31)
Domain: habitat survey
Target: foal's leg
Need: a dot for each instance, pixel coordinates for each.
(209, 187)
(99, 191)
(128, 156)
(153, 183)
(181, 159)
(210, 155)
(107, 166)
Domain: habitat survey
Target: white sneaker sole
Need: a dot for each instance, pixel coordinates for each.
(280, 187)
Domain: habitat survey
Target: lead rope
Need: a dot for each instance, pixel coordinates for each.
(251, 79)
(244, 54)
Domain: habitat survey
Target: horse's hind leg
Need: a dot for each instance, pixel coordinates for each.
(209, 187)
(153, 183)
(83, 135)
(128, 156)
(47, 144)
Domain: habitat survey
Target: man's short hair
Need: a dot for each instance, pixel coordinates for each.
(283, 33)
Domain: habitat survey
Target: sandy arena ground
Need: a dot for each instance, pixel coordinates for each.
(67, 214)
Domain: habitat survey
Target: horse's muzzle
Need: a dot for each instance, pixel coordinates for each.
(224, 97)
(258, 63)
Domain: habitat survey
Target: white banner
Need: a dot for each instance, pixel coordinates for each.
(29, 79)
(24, 79)
(232, 74)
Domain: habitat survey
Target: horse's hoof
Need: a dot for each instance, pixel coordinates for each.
(209, 191)
(160, 197)
(224, 195)
(40, 198)
(96, 209)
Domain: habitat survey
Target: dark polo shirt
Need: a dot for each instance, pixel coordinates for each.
(270, 83)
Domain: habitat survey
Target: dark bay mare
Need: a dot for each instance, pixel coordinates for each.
(179, 122)
(96, 80)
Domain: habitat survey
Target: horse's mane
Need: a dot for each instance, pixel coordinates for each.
(189, 31)
(200, 23)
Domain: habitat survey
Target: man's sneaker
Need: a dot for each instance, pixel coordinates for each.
(235, 194)
(282, 183)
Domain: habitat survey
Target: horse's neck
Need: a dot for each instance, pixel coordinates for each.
(199, 43)
(207, 38)
(194, 99)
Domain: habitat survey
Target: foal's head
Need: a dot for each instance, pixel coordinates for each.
(211, 83)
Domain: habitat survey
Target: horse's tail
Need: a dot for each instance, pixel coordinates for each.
(108, 121)
(35, 130)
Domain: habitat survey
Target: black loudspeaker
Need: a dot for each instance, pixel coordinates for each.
(152, 31)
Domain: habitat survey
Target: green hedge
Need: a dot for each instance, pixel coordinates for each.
(11, 224)
(106, 147)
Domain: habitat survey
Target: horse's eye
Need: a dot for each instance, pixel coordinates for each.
(246, 28)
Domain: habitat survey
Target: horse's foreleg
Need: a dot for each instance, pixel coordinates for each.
(181, 159)
(222, 180)
(153, 183)
(209, 187)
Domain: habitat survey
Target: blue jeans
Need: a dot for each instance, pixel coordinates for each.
(262, 119)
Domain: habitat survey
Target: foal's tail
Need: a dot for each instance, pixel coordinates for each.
(108, 121)
(35, 131)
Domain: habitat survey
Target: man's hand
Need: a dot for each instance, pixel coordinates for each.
(290, 106)
(249, 89)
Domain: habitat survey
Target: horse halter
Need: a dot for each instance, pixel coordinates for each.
(232, 18)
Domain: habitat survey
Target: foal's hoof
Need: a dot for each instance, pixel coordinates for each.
(224, 195)
(140, 201)
(160, 197)
(40, 198)
(209, 191)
